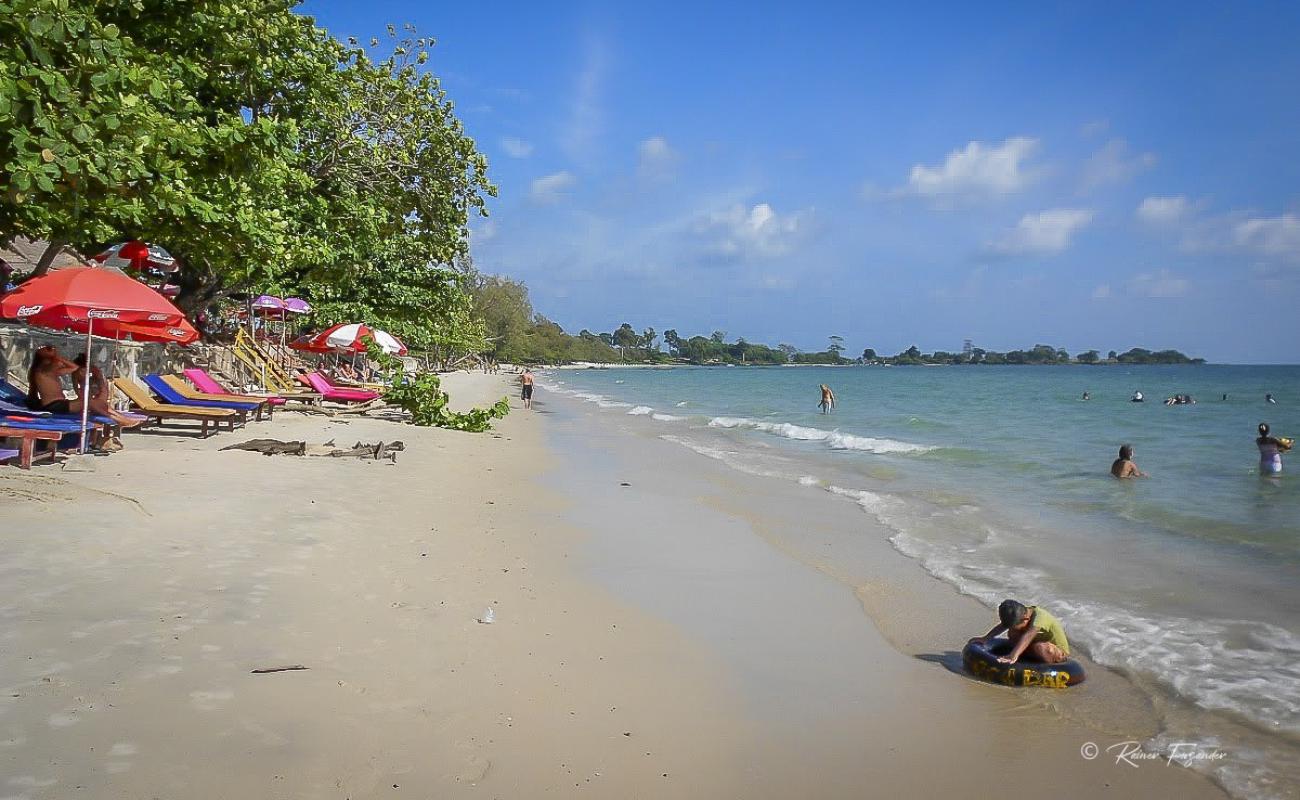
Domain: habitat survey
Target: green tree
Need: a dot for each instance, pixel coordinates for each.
(836, 347)
(1088, 357)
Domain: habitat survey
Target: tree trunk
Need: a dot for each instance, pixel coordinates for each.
(52, 250)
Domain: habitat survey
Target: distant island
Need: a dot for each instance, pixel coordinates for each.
(518, 335)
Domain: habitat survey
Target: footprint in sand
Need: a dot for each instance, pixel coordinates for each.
(210, 700)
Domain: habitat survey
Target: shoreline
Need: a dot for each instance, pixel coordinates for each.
(872, 645)
(652, 640)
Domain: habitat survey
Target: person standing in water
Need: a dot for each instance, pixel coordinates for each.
(828, 399)
(1123, 467)
(526, 388)
(1270, 451)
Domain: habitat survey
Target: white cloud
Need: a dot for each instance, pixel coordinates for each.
(1158, 284)
(1163, 210)
(1271, 236)
(548, 188)
(1102, 292)
(976, 169)
(516, 148)
(1115, 164)
(1047, 231)
(586, 115)
(754, 232)
(485, 232)
(655, 157)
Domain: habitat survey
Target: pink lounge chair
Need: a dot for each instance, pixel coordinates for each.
(329, 391)
(207, 384)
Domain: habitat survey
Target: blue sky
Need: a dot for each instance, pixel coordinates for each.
(1088, 177)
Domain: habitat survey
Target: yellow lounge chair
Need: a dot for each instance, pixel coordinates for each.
(147, 405)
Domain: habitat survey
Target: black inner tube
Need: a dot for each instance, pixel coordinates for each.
(981, 660)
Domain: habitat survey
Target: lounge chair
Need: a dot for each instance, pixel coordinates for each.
(30, 430)
(260, 405)
(29, 437)
(14, 401)
(169, 395)
(337, 394)
(142, 400)
(206, 383)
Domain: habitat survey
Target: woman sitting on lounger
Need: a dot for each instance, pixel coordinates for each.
(45, 389)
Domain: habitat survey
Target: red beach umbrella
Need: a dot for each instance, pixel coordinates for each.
(102, 301)
(349, 338)
(136, 255)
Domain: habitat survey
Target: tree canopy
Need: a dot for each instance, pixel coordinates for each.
(261, 151)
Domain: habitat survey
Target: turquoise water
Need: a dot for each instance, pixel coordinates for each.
(996, 480)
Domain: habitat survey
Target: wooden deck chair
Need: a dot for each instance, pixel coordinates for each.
(140, 399)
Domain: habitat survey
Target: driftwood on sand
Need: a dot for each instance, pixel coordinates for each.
(362, 450)
(270, 447)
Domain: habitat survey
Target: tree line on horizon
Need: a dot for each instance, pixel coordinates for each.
(516, 333)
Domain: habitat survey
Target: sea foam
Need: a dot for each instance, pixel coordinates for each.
(835, 440)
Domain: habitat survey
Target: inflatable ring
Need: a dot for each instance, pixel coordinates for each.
(981, 660)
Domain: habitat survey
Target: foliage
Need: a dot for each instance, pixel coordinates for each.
(262, 152)
(423, 397)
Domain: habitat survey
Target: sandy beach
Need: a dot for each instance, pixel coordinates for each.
(663, 638)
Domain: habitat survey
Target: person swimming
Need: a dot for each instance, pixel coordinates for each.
(1087, 395)
(828, 399)
(1123, 467)
(1270, 451)
(1268, 398)
(1136, 398)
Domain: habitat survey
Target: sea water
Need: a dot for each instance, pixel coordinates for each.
(996, 480)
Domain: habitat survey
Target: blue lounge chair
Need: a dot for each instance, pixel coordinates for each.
(169, 395)
(11, 398)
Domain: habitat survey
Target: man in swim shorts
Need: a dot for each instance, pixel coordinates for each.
(1032, 631)
(828, 399)
(1123, 467)
(526, 388)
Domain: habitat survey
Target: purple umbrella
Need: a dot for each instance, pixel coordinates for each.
(267, 302)
(296, 305)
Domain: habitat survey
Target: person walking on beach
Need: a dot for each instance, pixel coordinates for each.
(526, 388)
(1270, 451)
(1123, 467)
(1032, 631)
(828, 399)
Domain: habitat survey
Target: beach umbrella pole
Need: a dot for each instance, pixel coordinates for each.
(85, 386)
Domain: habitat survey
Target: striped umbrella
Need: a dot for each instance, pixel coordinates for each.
(349, 338)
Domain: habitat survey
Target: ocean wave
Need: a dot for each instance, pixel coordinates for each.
(641, 411)
(667, 417)
(835, 440)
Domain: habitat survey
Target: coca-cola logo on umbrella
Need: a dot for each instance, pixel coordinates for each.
(27, 311)
(103, 314)
(158, 317)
